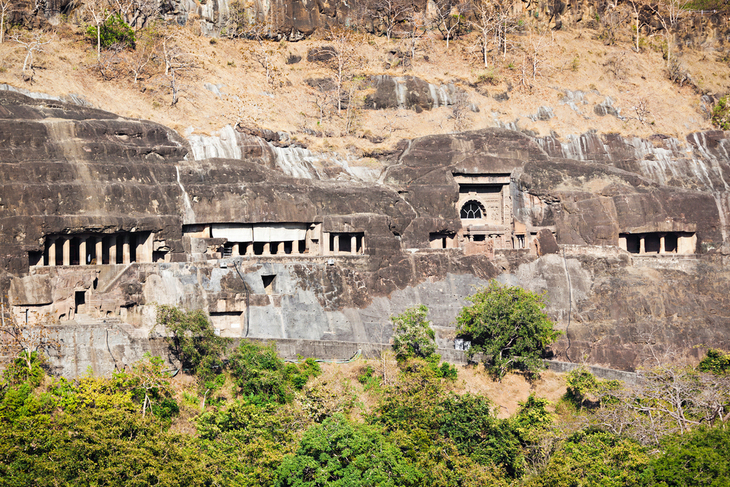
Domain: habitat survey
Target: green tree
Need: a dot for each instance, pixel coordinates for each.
(149, 382)
(716, 362)
(412, 334)
(114, 30)
(263, 377)
(697, 458)
(509, 326)
(193, 341)
(721, 113)
(339, 453)
(597, 458)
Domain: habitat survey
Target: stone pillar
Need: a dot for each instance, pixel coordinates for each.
(325, 243)
(125, 249)
(267, 248)
(113, 249)
(642, 246)
(280, 249)
(51, 252)
(99, 251)
(82, 251)
(145, 249)
(66, 251)
(622, 243)
(662, 248)
(235, 250)
(249, 248)
(353, 244)
(336, 246)
(295, 247)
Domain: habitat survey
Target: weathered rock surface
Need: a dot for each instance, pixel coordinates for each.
(78, 176)
(410, 92)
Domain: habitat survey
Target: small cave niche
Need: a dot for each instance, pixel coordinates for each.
(79, 301)
(268, 282)
(35, 257)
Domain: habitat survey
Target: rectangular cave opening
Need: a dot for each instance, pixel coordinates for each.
(345, 243)
(268, 281)
(519, 241)
(288, 247)
(105, 244)
(670, 242)
(79, 301)
(119, 245)
(132, 247)
(227, 250)
(258, 248)
(274, 248)
(91, 257)
(59, 254)
(74, 251)
(35, 257)
(480, 238)
(302, 244)
(652, 243)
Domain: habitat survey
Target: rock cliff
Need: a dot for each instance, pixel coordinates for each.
(103, 217)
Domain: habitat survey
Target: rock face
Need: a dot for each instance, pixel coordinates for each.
(104, 217)
(410, 92)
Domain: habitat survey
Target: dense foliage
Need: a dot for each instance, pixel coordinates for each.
(193, 341)
(509, 326)
(114, 31)
(412, 334)
(721, 113)
(272, 423)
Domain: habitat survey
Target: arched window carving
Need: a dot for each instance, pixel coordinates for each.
(472, 210)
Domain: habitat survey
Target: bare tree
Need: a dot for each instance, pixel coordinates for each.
(484, 22)
(390, 13)
(344, 60)
(32, 43)
(418, 27)
(262, 51)
(536, 54)
(664, 400)
(4, 8)
(675, 9)
(449, 18)
(23, 338)
(110, 62)
(142, 57)
(177, 62)
(506, 23)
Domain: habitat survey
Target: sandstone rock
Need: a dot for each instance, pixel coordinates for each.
(630, 235)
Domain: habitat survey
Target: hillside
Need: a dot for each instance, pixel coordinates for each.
(577, 69)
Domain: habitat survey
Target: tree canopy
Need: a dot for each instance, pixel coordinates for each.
(509, 326)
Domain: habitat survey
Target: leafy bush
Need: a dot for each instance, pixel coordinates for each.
(594, 457)
(721, 113)
(18, 371)
(716, 362)
(412, 334)
(263, 377)
(340, 453)
(113, 31)
(509, 326)
(468, 421)
(697, 458)
(582, 384)
(193, 341)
